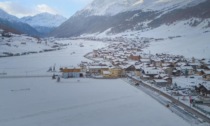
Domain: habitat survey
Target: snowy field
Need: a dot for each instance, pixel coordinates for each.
(38, 64)
(87, 102)
(44, 102)
(191, 41)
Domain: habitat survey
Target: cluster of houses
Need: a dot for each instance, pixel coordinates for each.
(119, 59)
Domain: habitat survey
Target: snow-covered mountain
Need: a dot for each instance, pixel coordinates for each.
(113, 7)
(111, 17)
(44, 22)
(44, 19)
(4, 15)
(13, 24)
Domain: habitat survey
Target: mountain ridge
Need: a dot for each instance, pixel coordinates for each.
(10, 23)
(135, 20)
(44, 22)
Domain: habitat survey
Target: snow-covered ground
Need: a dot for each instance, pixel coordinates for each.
(193, 41)
(45, 102)
(178, 38)
(18, 44)
(38, 64)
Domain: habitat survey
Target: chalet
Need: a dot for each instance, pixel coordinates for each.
(97, 69)
(157, 62)
(200, 72)
(74, 72)
(135, 57)
(168, 79)
(151, 72)
(106, 74)
(176, 71)
(145, 60)
(203, 89)
(160, 82)
(144, 77)
(168, 70)
(187, 68)
(113, 73)
(206, 75)
(208, 67)
(128, 68)
(195, 65)
(138, 70)
(117, 72)
(160, 76)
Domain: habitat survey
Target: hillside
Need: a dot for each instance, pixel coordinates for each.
(12, 24)
(133, 18)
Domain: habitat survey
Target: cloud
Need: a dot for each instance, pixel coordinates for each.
(15, 9)
(21, 11)
(45, 8)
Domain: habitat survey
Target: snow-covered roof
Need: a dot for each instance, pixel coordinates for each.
(159, 80)
(145, 60)
(186, 67)
(199, 70)
(97, 67)
(106, 72)
(207, 72)
(152, 70)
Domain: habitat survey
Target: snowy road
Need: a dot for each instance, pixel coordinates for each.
(187, 113)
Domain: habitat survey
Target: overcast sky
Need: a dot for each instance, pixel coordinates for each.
(22, 8)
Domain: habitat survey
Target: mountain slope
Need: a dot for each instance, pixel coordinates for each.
(44, 22)
(113, 7)
(12, 24)
(5, 16)
(87, 22)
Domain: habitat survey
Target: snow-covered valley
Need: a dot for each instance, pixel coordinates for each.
(39, 63)
(45, 102)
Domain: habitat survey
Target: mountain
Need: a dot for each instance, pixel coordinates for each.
(5, 16)
(113, 7)
(13, 24)
(111, 17)
(44, 22)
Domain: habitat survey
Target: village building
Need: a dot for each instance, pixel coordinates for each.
(135, 57)
(206, 75)
(160, 82)
(157, 62)
(145, 60)
(97, 69)
(74, 72)
(189, 70)
(176, 71)
(113, 73)
(117, 72)
(106, 74)
(203, 90)
(151, 72)
(195, 66)
(168, 70)
(200, 72)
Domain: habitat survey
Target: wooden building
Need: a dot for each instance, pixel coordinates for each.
(74, 72)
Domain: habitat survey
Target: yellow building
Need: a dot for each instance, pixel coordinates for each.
(112, 73)
(138, 73)
(107, 74)
(116, 72)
